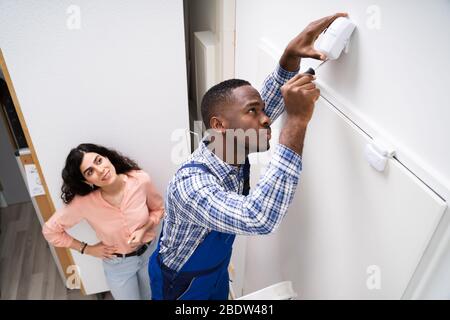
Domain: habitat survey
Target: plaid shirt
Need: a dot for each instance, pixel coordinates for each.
(198, 202)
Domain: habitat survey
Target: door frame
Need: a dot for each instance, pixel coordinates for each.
(43, 204)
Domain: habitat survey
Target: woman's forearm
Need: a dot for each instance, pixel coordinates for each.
(76, 245)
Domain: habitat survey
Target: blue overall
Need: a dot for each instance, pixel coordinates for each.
(205, 274)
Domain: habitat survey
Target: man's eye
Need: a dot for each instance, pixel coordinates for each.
(99, 160)
(252, 110)
(89, 172)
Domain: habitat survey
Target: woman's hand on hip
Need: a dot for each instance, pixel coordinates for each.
(101, 250)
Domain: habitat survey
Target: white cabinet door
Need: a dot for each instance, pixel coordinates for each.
(351, 232)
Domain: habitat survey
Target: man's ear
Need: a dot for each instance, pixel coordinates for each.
(217, 123)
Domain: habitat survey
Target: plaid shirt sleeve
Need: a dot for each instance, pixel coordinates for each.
(200, 198)
(271, 93)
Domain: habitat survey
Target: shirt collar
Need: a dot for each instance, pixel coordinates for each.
(219, 168)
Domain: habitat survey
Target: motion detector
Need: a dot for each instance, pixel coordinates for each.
(335, 38)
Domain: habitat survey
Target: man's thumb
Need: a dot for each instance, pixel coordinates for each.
(317, 55)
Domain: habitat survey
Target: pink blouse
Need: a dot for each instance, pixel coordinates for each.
(113, 226)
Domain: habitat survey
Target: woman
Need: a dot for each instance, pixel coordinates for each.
(121, 204)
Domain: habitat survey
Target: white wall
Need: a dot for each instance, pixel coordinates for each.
(120, 81)
(377, 86)
(377, 78)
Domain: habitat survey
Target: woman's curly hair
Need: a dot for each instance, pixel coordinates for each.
(73, 180)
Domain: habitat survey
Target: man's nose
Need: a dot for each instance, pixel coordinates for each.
(265, 121)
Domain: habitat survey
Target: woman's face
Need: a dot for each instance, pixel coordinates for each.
(97, 169)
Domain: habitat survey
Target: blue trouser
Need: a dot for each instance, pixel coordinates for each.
(205, 274)
(203, 277)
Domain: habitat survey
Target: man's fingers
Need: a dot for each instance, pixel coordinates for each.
(295, 78)
(303, 78)
(323, 23)
(308, 86)
(313, 93)
(326, 21)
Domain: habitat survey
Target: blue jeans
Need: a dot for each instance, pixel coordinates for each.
(128, 277)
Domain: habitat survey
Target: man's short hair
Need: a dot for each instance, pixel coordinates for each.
(217, 95)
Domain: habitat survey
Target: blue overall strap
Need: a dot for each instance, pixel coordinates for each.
(246, 171)
(246, 177)
(195, 165)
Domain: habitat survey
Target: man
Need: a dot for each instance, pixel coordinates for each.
(208, 201)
